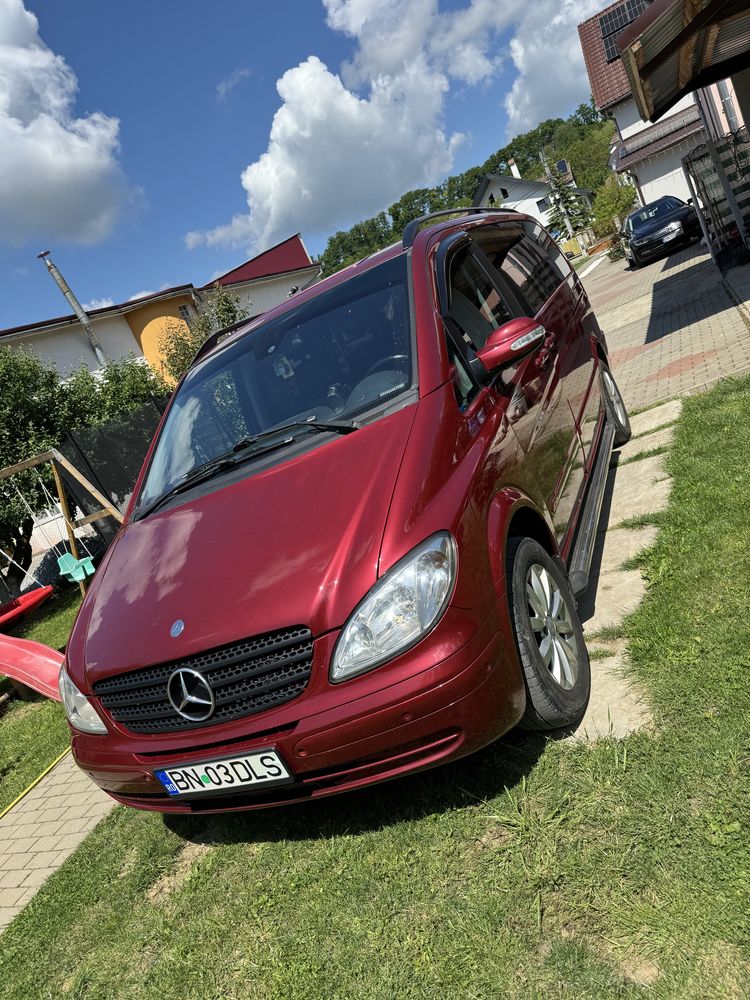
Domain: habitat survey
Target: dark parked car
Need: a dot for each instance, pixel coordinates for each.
(659, 227)
(353, 550)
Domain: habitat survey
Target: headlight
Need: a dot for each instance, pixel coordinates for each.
(399, 610)
(672, 227)
(79, 710)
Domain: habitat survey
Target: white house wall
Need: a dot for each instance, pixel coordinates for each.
(67, 348)
(263, 294)
(662, 174)
(629, 121)
(521, 197)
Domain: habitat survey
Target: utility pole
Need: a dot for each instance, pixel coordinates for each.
(75, 305)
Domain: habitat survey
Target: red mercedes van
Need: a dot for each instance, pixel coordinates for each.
(353, 549)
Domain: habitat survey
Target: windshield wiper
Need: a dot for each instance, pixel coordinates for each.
(337, 426)
(232, 458)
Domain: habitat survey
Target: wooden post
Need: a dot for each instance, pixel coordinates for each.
(66, 517)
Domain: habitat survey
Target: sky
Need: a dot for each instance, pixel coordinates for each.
(155, 144)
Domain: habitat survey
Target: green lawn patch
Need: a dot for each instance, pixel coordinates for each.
(52, 621)
(535, 869)
(33, 733)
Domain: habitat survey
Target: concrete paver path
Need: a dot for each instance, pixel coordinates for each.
(39, 833)
(673, 327)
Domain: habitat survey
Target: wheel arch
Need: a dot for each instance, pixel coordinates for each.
(513, 513)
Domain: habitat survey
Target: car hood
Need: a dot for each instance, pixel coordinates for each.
(678, 215)
(296, 544)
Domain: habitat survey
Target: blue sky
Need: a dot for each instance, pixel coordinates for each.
(176, 99)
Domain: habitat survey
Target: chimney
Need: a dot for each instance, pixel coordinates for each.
(75, 305)
(514, 169)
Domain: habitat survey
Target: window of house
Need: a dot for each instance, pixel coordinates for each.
(186, 313)
(542, 205)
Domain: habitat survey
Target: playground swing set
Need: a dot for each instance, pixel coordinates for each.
(73, 566)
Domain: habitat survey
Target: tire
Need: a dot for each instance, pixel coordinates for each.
(551, 648)
(614, 404)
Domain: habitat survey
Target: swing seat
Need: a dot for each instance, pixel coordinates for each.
(75, 570)
(13, 610)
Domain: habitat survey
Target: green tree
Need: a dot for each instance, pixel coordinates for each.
(613, 201)
(219, 309)
(38, 409)
(566, 205)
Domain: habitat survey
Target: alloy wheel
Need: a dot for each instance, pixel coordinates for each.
(552, 626)
(616, 399)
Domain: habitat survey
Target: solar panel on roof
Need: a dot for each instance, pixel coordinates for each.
(614, 21)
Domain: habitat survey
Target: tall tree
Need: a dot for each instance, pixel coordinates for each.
(568, 212)
(219, 309)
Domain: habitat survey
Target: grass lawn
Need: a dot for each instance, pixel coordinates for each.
(34, 733)
(532, 870)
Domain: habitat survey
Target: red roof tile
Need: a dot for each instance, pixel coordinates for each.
(609, 81)
(289, 255)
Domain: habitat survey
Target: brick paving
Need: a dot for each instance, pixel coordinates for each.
(39, 833)
(673, 327)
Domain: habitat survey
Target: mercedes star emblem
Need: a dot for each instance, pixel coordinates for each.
(190, 695)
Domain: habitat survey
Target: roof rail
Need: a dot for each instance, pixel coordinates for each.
(215, 338)
(412, 228)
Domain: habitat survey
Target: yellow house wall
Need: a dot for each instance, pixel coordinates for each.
(151, 322)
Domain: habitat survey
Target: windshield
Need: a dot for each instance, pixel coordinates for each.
(331, 358)
(652, 213)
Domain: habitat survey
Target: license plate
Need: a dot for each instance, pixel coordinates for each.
(262, 767)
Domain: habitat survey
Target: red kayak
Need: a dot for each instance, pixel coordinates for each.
(32, 664)
(13, 610)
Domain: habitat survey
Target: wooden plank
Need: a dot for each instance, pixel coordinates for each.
(66, 518)
(69, 467)
(29, 463)
(98, 515)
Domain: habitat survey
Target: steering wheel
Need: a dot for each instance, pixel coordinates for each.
(384, 363)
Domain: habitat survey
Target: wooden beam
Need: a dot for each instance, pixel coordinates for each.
(29, 463)
(98, 515)
(66, 517)
(69, 467)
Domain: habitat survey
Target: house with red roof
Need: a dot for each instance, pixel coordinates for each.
(648, 155)
(138, 326)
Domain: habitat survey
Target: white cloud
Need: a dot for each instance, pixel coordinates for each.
(344, 144)
(225, 87)
(59, 175)
(141, 295)
(546, 52)
(98, 304)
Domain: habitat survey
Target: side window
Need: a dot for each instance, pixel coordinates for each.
(530, 269)
(465, 386)
(476, 305)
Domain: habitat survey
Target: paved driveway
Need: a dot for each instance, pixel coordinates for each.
(672, 327)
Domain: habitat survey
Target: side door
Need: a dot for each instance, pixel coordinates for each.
(552, 441)
(479, 299)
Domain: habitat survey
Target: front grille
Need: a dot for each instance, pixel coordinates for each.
(246, 677)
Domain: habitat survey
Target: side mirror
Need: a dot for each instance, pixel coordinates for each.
(690, 201)
(513, 340)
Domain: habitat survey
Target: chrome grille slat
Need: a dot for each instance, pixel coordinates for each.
(247, 677)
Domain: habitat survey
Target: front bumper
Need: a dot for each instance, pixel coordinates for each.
(363, 733)
(654, 248)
